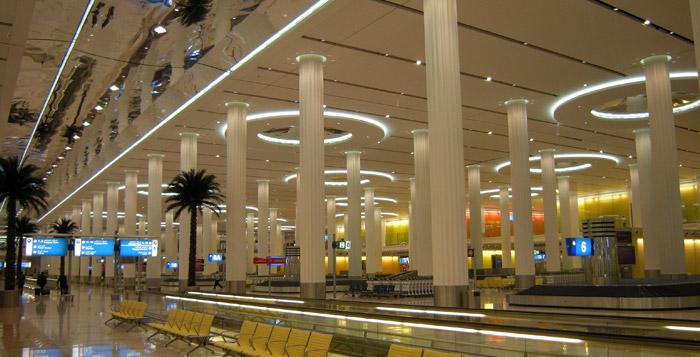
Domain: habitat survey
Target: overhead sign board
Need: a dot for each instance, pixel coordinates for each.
(94, 247)
(342, 244)
(171, 265)
(45, 247)
(579, 247)
(270, 261)
(216, 258)
(138, 248)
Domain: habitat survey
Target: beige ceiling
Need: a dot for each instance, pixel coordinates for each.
(356, 34)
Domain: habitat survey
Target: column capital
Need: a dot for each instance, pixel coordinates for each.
(501, 187)
(311, 57)
(368, 189)
(353, 152)
(634, 164)
(131, 171)
(415, 132)
(412, 179)
(542, 151)
(189, 134)
(655, 59)
(473, 166)
(236, 105)
(86, 200)
(640, 130)
(562, 178)
(113, 183)
(331, 197)
(155, 156)
(262, 180)
(512, 102)
(98, 193)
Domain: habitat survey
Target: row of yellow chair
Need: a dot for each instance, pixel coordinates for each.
(264, 340)
(409, 351)
(187, 326)
(131, 311)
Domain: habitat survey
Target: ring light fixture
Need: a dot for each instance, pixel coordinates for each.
(495, 190)
(391, 177)
(376, 198)
(637, 116)
(575, 155)
(295, 142)
(615, 84)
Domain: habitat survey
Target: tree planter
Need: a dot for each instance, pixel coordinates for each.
(9, 298)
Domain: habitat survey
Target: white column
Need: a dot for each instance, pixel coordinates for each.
(250, 245)
(650, 220)
(353, 228)
(155, 216)
(446, 152)
(475, 225)
(330, 229)
(238, 258)
(549, 201)
(565, 219)
(697, 191)
(695, 20)
(505, 226)
(188, 161)
(520, 184)
(97, 208)
(275, 240)
(170, 239)
(222, 20)
(373, 260)
(177, 54)
(85, 223)
(666, 193)
(209, 267)
(635, 195)
(412, 223)
(74, 267)
(575, 221)
(378, 237)
(130, 210)
(423, 261)
(112, 225)
(263, 223)
(142, 226)
(311, 159)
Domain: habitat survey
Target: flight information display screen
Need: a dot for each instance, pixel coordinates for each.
(94, 247)
(45, 247)
(138, 248)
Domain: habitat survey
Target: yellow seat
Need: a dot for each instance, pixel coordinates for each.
(434, 353)
(278, 339)
(404, 351)
(318, 344)
(294, 347)
(181, 323)
(260, 344)
(245, 346)
(169, 321)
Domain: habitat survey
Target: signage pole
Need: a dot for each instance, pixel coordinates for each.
(334, 268)
(269, 281)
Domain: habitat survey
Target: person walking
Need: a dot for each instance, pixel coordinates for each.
(63, 284)
(217, 280)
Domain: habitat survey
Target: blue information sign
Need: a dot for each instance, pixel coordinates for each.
(94, 247)
(215, 258)
(138, 248)
(24, 265)
(579, 247)
(171, 265)
(47, 247)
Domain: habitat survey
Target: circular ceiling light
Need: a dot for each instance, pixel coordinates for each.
(532, 194)
(495, 190)
(385, 214)
(295, 142)
(612, 84)
(326, 113)
(643, 115)
(391, 177)
(575, 155)
(376, 198)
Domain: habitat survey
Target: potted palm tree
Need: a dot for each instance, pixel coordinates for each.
(63, 226)
(191, 191)
(19, 188)
(24, 226)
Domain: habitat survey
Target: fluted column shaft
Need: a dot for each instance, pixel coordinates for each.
(238, 257)
(353, 228)
(75, 266)
(112, 226)
(177, 54)
(650, 221)
(97, 220)
(250, 244)
(142, 226)
(209, 267)
(311, 165)
(475, 225)
(379, 236)
(520, 184)
(275, 240)
(155, 216)
(635, 195)
(412, 223)
(85, 225)
(549, 202)
(170, 239)
(130, 211)
(503, 201)
(188, 161)
(666, 193)
(446, 152)
(565, 219)
(330, 229)
(423, 261)
(695, 21)
(373, 251)
(264, 223)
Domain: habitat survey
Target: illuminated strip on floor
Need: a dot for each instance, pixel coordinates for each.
(612, 84)
(382, 321)
(430, 312)
(247, 58)
(66, 56)
(240, 297)
(683, 328)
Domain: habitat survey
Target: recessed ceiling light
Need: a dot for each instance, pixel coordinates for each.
(616, 9)
(600, 151)
(386, 55)
(532, 139)
(268, 160)
(585, 84)
(217, 155)
(98, 107)
(60, 158)
(218, 121)
(54, 165)
(411, 152)
(419, 62)
(114, 88)
(76, 136)
(525, 43)
(488, 79)
(680, 165)
(647, 22)
(387, 116)
(160, 30)
(86, 123)
(69, 148)
(490, 132)
(630, 156)
(324, 106)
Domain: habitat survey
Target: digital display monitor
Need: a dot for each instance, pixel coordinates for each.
(45, 247)
(138, 248)
(579, 247)
(623, 237)
(626, 254)
(94, 247)
(403, 260)
(216, 258)
(171, 265)
(24, 265)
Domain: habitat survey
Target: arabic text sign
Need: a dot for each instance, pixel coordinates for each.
(94, 247)
(48, 247)
(138, 248)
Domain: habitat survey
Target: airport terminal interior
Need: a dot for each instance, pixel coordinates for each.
(428, 178)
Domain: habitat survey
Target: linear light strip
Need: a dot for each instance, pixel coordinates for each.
(383, 321)
(430, 312)
(254, 298)
(247, 58)
(59, 72)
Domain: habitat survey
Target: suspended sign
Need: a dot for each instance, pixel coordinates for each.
(171, 265)
(270, 261)
(342, 244)
(215, 258)
(579, 247)
(138, 248)
(94, 247)
(46, 247)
